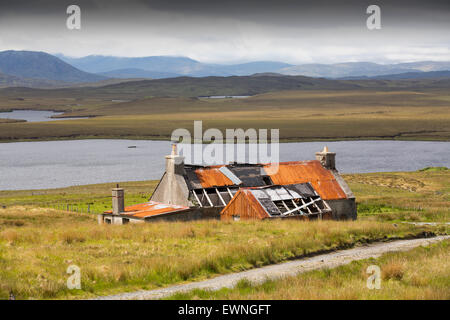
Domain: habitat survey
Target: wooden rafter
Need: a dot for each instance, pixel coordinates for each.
(220, 197)
(207, 198)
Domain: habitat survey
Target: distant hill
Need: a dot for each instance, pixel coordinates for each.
(427, 66)
(407, 75)
(7, 80)
(109, 65)
(234, 85)
(138, 73)
(361, 69)
(190, 87)
(194, 87)
(99, 64)
(166, 66)
(41, 65)
(245, 69)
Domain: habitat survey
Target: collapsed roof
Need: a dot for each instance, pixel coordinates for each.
(234, 176)
(277, 201)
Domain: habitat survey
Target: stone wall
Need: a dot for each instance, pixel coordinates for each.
(343, 209)
(193, 213)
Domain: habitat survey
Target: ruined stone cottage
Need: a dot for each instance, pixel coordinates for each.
(294, 190)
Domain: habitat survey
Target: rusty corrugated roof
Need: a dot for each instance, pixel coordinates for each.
(151, 208)
(283, 173)
(212, 177)
(312, 171)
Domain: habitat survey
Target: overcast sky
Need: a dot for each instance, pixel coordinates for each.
(230, 31)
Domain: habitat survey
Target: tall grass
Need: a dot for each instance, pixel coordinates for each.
(34, 256)
(38, 244)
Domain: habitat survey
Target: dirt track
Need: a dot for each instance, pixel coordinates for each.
(329, 260)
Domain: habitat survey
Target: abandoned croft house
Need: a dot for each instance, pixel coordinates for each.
(297, 189)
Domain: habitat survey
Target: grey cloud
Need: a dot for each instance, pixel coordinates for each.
(226, 31)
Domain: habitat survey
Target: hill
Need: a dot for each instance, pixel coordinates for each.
(138, 73)
(130, 89)
(361, 69)
(408, 75)
(41, 65)
(166, 66)
(190, 87)
(7, 80)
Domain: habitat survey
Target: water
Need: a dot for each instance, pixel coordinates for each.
(54, 164)
(33, 115)
(224, 97)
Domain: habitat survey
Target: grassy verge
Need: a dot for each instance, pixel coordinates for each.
(421, 273)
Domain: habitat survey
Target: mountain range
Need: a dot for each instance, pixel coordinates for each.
(40, 69)
(181, 66)
(178, 66)
(360, 69)
(405, 76)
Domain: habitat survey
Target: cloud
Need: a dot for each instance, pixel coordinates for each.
(290, 31)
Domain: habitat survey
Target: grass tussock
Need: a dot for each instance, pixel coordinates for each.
(394, 270)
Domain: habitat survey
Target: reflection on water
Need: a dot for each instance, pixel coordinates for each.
(224, 97)
(52, 164)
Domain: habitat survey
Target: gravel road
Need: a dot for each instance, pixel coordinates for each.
(259, 275)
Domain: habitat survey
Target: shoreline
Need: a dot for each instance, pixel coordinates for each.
(156, 180)
(284, 140)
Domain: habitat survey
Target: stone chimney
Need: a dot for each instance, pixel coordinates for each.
(326, 158)
(172, 188)
(118, 201)
(174, 162)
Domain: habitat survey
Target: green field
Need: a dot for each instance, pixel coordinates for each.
(304, 115)
(38, 243)
(96, 197)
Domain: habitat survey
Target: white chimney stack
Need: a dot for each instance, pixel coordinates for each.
(118, 201)
(174, 162)
(327, 158)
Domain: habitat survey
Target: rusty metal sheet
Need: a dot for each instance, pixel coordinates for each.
(212, 177)
(245, 205)
(313, 172)
(150, 208)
